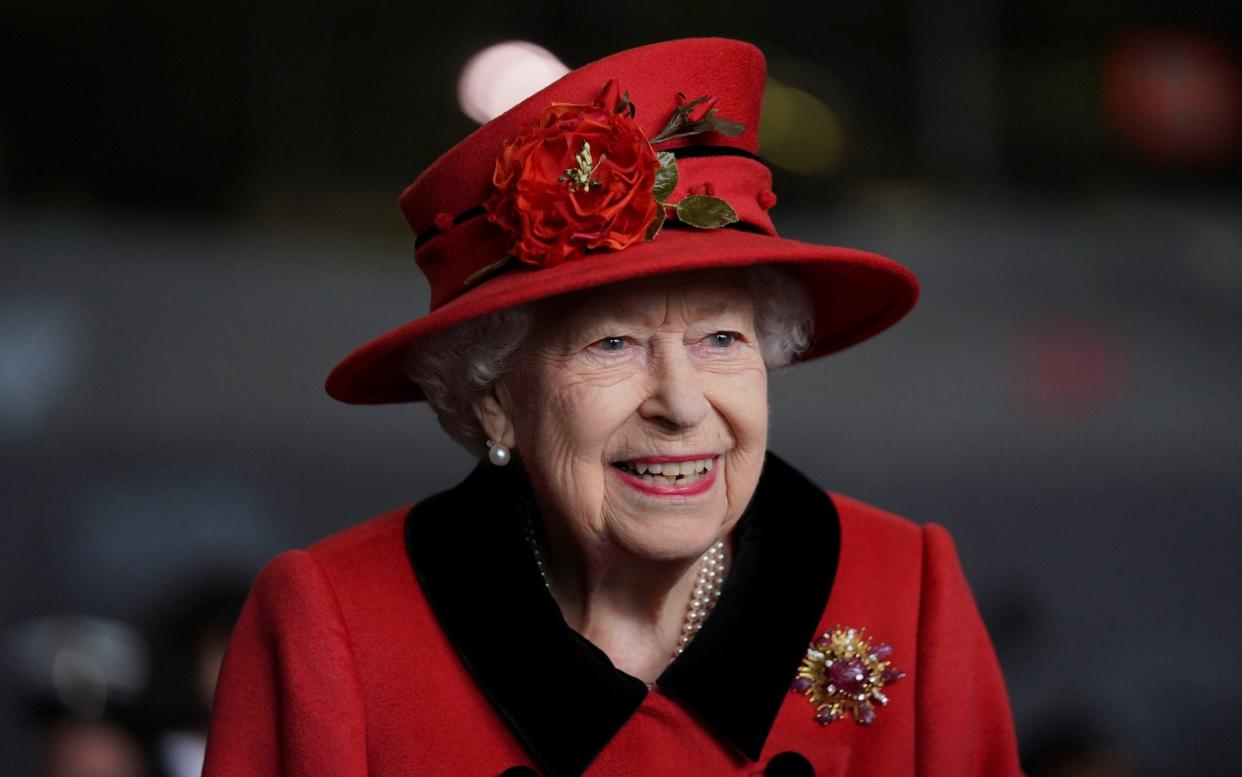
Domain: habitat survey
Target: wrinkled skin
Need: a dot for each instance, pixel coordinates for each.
(664, 366)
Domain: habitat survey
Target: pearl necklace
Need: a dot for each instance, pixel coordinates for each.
(703, 598)
(706, 591)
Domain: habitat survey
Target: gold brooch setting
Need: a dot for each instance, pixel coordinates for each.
(843, 673)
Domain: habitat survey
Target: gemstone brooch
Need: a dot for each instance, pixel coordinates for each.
(843, 673)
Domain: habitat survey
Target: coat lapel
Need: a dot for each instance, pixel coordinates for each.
(560, 694)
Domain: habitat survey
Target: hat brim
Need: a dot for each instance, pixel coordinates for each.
(855, 295)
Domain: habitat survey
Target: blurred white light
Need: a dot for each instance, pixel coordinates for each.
(80, 660)
(501, 76)
(80, 682)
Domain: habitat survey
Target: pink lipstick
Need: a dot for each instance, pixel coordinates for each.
(669, 476)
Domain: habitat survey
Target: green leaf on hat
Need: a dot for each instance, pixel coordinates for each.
(705, 212)
(666, 176)
(478, 276)
(726, 127)
(657, 223)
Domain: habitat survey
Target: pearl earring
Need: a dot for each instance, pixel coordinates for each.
(497, 453)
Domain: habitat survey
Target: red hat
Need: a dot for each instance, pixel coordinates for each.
(569, 189)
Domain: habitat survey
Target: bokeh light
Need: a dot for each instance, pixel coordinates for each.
(501, 76)
(798, 132)
(1069, 368)
(1174, 97)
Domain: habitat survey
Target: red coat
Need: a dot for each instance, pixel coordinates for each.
(423, 642)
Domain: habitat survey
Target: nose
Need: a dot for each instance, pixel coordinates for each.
(675, 396)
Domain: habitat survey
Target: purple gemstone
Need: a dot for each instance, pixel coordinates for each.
(882, 651)
(825, 716)
(865, 715)
(800, 685)
(848, 676)
(823, 643)
(892, 674)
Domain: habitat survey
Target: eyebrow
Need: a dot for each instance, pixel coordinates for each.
(716, 309)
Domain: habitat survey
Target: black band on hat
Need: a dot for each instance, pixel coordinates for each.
(431, 232)
(688, 152)
(685, 152)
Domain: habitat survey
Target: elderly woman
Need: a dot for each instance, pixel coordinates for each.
(629, 583)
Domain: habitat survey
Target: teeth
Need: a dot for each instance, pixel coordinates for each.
(671, 470)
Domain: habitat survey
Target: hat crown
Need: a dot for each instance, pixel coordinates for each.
(470, 247)
(732, 72)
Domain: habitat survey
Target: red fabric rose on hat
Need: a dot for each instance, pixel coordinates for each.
(581, 177)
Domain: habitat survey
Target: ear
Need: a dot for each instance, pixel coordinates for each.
(491, 409)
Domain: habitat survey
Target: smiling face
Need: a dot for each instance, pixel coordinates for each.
(640, 413)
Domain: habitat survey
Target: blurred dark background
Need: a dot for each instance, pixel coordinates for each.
(198, 218)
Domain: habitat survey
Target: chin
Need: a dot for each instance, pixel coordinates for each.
(675, 539)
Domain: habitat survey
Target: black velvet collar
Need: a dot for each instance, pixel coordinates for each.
(562, 695)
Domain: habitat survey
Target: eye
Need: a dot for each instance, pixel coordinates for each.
(613, 349)
(721, 339)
